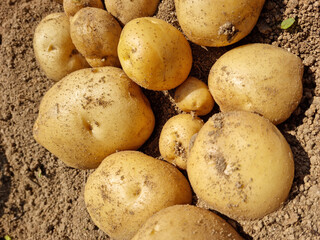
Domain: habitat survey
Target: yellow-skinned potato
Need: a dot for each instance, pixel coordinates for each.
(217, 23)
(258, 78)
(53, 47)
(194, 95)
(186, 222)
(240, 165)
(126, 10)
(71, 7)
(154, 54)
(91, 114)
(175, 138)
(96, 33)
(128, 188)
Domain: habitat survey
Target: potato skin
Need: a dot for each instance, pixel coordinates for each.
(258, 78)
(175, 138)
(96, 33)
(126, 10)
(154, 54)
(128, 188)
(53, 47)
(219, 22)
(71, 7)
(186, 222)
(91, 114)
(240, 165)
(194, 95)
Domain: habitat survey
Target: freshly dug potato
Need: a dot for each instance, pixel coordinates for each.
(53, 47)
(217, 23)
(129, 187)
(71, 7)
(126, 10)
(96, 33)
(258, 78)
(240, 165)
(175, 138)
(154, 54)
(92, 113)
(186, 222)
(194, 95)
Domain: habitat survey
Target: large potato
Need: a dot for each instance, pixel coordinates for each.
(240, 165)
(126, 10)
(71, 7)
(129, 187)
(175, 138)
(154, 54)
(92, 113)
(258, 78)
(186, 222)
(194, 95)
(217, 23)
(53, 47)
(96, 33)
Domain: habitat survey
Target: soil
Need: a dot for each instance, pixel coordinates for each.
(41, 198)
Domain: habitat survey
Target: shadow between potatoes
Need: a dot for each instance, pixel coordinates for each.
(5, 181)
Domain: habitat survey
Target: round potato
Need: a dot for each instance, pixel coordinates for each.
(217, 23)
(193, 95)
(126, 10)
(71, 7)
(258, 78)
(96, 33)
(154, 54)
(175, 138)
(186, 222)
(240, 165)
(53, 47)
(128, 188)
(92, 113)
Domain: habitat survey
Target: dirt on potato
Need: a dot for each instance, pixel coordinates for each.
(41, 198)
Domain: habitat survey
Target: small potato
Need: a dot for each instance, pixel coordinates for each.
(154, 54)
(92, 113)
(126, 10)
(194, 95)
(217, 23)
(128, 188)
(240, 165)
(53, 47)
(96, 33)
(258, 78)
(186, 222)
(71, 7)
(175, 138)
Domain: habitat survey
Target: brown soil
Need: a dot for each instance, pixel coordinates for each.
(41, 198)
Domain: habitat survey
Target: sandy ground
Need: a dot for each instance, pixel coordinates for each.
(41, 198)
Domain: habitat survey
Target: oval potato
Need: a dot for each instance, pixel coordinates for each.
(258, 78)
(128, 188)
(71, 7)
(92, 113)
(240, 165)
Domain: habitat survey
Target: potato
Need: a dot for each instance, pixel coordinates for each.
(154, 54)
(53, 47)
(128, 188)
(175, 138)
(71, 7)
(258, 78)
(96, 33)
(240, 165)
(92, 113)
(219, 22)
(193, 95)
(186, 222)
(126, 10)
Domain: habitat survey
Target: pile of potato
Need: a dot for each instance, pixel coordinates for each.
(96, 116)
